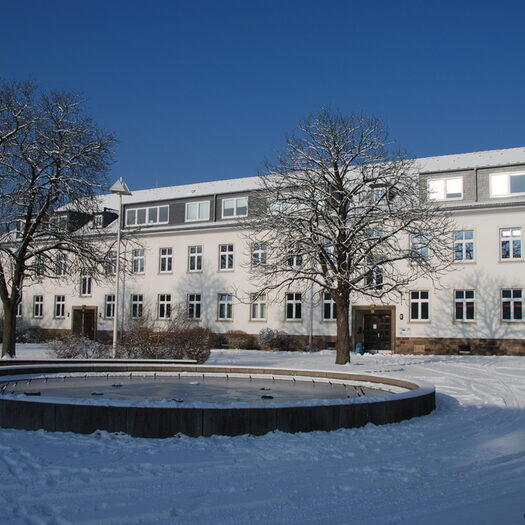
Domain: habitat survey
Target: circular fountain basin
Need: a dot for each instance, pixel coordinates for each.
(163, 399)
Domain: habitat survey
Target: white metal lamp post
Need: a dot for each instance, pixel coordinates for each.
(119, 188)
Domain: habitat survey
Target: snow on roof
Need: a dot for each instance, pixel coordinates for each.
(478, 159)
(461, 161)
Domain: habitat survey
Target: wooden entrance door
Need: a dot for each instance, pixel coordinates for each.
(377, 331)
(84, 322)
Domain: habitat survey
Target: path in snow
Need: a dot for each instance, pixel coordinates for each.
(464, 463)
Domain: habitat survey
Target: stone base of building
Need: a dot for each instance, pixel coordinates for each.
(442, 345)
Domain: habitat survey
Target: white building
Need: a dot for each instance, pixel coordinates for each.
(192, 253)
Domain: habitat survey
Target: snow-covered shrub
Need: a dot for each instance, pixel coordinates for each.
(75, 347)
(241, 340)
(273, 339)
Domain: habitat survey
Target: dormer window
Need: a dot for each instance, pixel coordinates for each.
(445, 189)
(147, 216)
(507, 184)
(198, 211)
(98, 221)
(234, 207)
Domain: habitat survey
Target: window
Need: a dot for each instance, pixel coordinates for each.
(39, 265)
(445, 189)
(109, 306)
(512, 304)
(195, 258)
(85, 282)
(510, 242)
(419, 306)
(149, 215)
(225, 307)
(295, 259)
(198, 211)
(464, 306)
(329, 308)
(507, 184)
(60, 306)
(419, 251)
(464, 246)
(110, 265)
(165, 260)
(58, 222)
(19, 307)
(226, 257)
(38, 305)
(194, 305)
(293, 306)
(164, 306)
(60, 264)
(259, 254)
(137, 263)
(258, 306)
(374, 276)
(235, 207)
(137, 305)
(98, 221)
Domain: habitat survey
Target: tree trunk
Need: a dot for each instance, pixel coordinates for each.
(9, 335)
(343, 340)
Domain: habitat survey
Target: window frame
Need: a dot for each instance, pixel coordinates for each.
(463, 243)
(225, 305)
(419, 301)
(258, 306)
(235, 208)
(164, 306)
(167, 259)
(328, 302)
(86, 283)
(147, 212)
(196, 257)
(38, 306)
(59, 310)
(137, 306)
(512, 305)
(511, 242)
(139, 260)
(226, 256)
(198, 204)
(109, 304)
(465, 302)
(295, 304)
(194, 302)
(110, 266)
(444, 195)
(508, 184)
(259, 254)
(60, 264)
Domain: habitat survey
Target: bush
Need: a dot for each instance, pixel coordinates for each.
(241, 340)
(177, 340)
(273, 339)
(75, 347)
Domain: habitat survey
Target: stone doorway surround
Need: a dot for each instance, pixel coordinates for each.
(84, 321)
(370, 320)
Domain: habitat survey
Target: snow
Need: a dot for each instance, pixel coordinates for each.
(464, 463)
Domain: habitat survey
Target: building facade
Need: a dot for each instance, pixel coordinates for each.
(189, 254)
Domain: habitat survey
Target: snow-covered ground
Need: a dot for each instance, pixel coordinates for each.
(463, 464)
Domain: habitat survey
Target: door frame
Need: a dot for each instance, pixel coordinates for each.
(84, 309)
(358, 315)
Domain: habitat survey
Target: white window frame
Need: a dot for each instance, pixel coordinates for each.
(419, 300)
(110, 267)
(164, 306)
(224, 307)
(294, 259)
(501, 184)
(195, 258)
(462, 242)
(441, 189)
(109, 306)
(293, 310)
(60, 264)
(329, 306)
(203, 211)
(235, 208)
(259, 254)
(38, 306)
(86, 283)
(147, 213)
(465, 299)
(419, 251)
(226, 257)
(138, 261)
(515, 299)
(60, 307)
(258, 307)
(194, 306)
(137, 306)
(514, 235)
(165, 260)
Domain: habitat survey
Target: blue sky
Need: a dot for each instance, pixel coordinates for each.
(203, 90)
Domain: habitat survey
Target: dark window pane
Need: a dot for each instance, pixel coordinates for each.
(414, 311)
(517, 184)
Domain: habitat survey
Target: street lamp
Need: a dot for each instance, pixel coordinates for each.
(119, 188)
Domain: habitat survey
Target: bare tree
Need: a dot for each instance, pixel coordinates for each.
(53, 161)
(341, 212)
